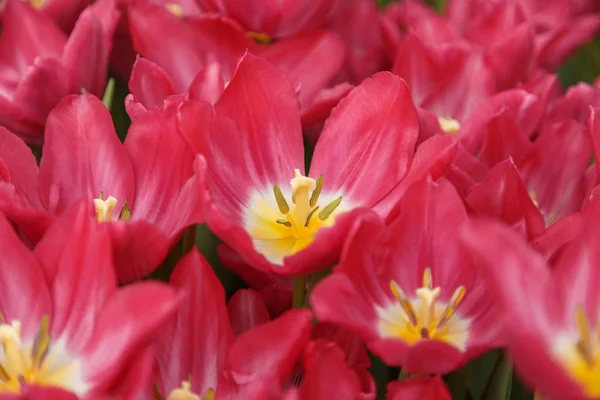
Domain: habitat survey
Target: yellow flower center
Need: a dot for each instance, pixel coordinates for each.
(175, 9)
(580, 356)
(279, 229)
(36, 362)
(260, 38)
(104, 209)
(449, 125)
(424, 317)
(37, 4)
(185, 393)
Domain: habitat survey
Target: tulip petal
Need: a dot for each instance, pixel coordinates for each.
(246, 310)
(83, 283)
(196, 343)
(149, 83)
(375, 124)
(126, 325)
(298, 55)
(82, 127)
(25, 296)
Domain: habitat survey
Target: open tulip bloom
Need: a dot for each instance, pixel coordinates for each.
(409, 290)
(299, 199)
(261, 202)
(552, 310)
(64, 325)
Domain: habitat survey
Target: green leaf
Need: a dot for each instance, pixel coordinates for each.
(481, 371)
(109, 93)
(458, 383)
(500, 386)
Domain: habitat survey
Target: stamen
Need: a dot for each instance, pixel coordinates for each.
(585, 341)
(424, 333)
(281, 203)
(10, 340)
(449, 125)
(314, 210)
(284, 222)
(104, 208)
(101, 196)
(314, 197)
(3, 374)
(42, 343)
(427, 279)
(451, 308)
(329, 209)
(125, 214)
(404, 302)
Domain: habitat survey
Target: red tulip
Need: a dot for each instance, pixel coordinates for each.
(37, 74)
(422, 388)
(409, 290)
(551, 324)
(275, 19)
(253, 148)
(64, 13)
(143, 198)
(76, 332)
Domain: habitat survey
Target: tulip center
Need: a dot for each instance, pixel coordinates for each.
(424, 317)
(36, 362)
(185, 393)
(175, 9)
(581, 356)
(280, 229)
(260, 38)
(104, 209)
(449, 125)
(36, 3)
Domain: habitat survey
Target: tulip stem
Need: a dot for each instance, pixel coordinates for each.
(299, 291)
(537, 396)
(189, 240)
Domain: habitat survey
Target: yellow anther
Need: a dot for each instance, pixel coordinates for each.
(427, 279)
(404, 302)
(449, 125)
(314, 210)
(451, 308)
(42, 342)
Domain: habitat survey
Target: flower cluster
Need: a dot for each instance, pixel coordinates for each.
(392, 183)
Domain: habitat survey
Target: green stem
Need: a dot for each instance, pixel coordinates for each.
(189, 240)
(537, 396)
(402, 375)
(299, 291)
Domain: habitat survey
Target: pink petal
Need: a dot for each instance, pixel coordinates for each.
(149, 84)
(246, 310)
(168, 194)
(86, 53)
(261, 100)
(209, 83)
(421, 388)
(82, 127)
(83, 283)
(265, 354)
(138, 248)
(127, 324)
(26, 35)
(196, 343)
(22, 168)
(324, 363)
(25, 296)
(298, 55)
(374, 127)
